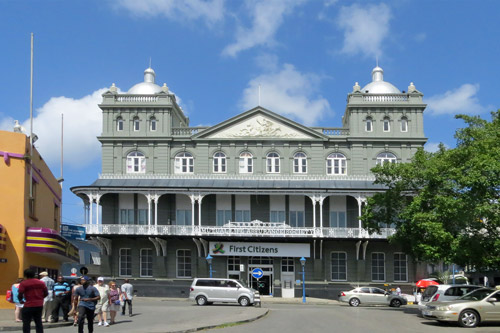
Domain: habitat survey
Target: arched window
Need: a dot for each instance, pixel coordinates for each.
(387, 124)
(386, 158)
(152, 124)
(184, 163)
(219, 162)
(336, 164)
(119, 124)
(299, 163)
(136, 124)
(246, 163)
(404, 124)
(273, 163)
(136, 162)
(369, 124)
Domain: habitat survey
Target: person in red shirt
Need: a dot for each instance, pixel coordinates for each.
(33, 291)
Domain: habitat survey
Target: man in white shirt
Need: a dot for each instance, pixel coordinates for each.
(48, 301)
(101, 308)
(127, 291)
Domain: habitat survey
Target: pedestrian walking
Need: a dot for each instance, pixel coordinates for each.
(127, 291)
(62, 299)
(102, 305)
(47, 302)
(74, 303)
(32, 293)
(15, 299)
(113, 301)
(88, 298)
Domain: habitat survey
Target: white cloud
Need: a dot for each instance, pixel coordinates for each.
(267, 15)
(82, 124)
(210, 11)
(461, 100)
(289, 93)
(365, 28)
(420, 37)
(433, 147)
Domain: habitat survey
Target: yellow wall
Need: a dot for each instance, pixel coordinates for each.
(14, 216)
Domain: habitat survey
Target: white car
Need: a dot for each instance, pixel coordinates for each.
(444, 293)
(371, 296)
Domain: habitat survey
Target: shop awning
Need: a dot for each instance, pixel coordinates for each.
(49, 242)
(3, 238)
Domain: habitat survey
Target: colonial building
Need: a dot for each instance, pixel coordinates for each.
(255, 191)
(30, 202)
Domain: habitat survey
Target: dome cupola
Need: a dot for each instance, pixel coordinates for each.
(148, 87)
(378, 85)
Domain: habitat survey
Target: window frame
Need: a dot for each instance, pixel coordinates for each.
(177, 257)
(184, 161)
(119, 124)
(136, 124)
(120, 262)
(405, 266)
(377, 267)
(332, 265)
(245, 163)
(141, 262)
(404, 124)
(153, 123)
(386, 125)
(300, 163)
(381, 160)
(136, 159)
(369, 128)
(219, 162)
(273, 162)
(334, 158)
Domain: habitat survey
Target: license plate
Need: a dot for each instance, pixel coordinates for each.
(426, 312)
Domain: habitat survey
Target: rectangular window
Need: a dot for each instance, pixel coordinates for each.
(233, 267)
(136, 125)
(287, 264)
(400, 267)
(223, 217)
(183, 263)
(277, 216)
(119, 125)
(404, 125)
(378, 266)
(146, 263)
(242, 216)
(143, 216)
(338, 220)
(183, 217)
(153, 125)
(125, 262)
(297, 219)
(339, 266)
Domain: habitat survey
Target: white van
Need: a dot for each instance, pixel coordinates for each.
(208, 290)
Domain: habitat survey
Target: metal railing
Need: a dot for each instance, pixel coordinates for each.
(234, 229)
(237, 176)
(187, 131)
(332, 131)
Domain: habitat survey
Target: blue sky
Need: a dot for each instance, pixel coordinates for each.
(306, 55)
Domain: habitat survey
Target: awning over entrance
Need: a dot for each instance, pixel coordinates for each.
(48, 242)
(3, 238)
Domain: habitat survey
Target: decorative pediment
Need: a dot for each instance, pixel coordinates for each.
(259, 126)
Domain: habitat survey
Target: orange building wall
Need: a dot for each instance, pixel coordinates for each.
(14, 216)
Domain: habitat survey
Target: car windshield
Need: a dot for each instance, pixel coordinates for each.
(477, 295)
(241, 283)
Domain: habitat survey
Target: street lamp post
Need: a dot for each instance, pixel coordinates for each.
(303, 263)
(209, 260)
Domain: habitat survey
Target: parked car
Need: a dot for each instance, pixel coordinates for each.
(371, 296)
(480, 305)
(444, 293)
(208, 290)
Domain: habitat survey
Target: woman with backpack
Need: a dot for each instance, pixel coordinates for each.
(15, 300)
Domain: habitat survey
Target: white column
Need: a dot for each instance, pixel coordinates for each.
(200, 198)
(156, 197)
(193, 201)
(360, 201)
(91, 203)
(97, 199)
(313, 199)
(321, 198)
(149, 197)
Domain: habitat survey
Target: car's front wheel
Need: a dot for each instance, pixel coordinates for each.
(468, 318)
(354, 302)
(396, 303)
(201, 300)
(244, 301)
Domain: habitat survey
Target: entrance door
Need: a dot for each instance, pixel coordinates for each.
(287, 277)
(265, 284)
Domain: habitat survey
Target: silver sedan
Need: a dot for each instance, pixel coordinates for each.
(371, 296)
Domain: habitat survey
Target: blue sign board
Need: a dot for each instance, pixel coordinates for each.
(257, 273)
(70, 231)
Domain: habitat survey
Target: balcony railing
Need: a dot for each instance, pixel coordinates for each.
(235, 229)
(187, 131)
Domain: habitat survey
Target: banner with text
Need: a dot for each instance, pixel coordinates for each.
(260, 249)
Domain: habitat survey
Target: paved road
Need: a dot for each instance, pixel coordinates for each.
(157, 315)
(292, 318)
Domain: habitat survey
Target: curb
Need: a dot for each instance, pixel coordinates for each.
(196, 329)
(20, 327)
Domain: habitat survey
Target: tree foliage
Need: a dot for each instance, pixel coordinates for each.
(445, 205)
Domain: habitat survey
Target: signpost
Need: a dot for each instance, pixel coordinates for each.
(70, 231)
(257, 273)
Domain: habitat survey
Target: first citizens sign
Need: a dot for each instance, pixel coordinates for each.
(260, 249)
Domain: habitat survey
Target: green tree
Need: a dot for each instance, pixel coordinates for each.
(445, 205)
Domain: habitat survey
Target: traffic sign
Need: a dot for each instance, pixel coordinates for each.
(257, 273)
